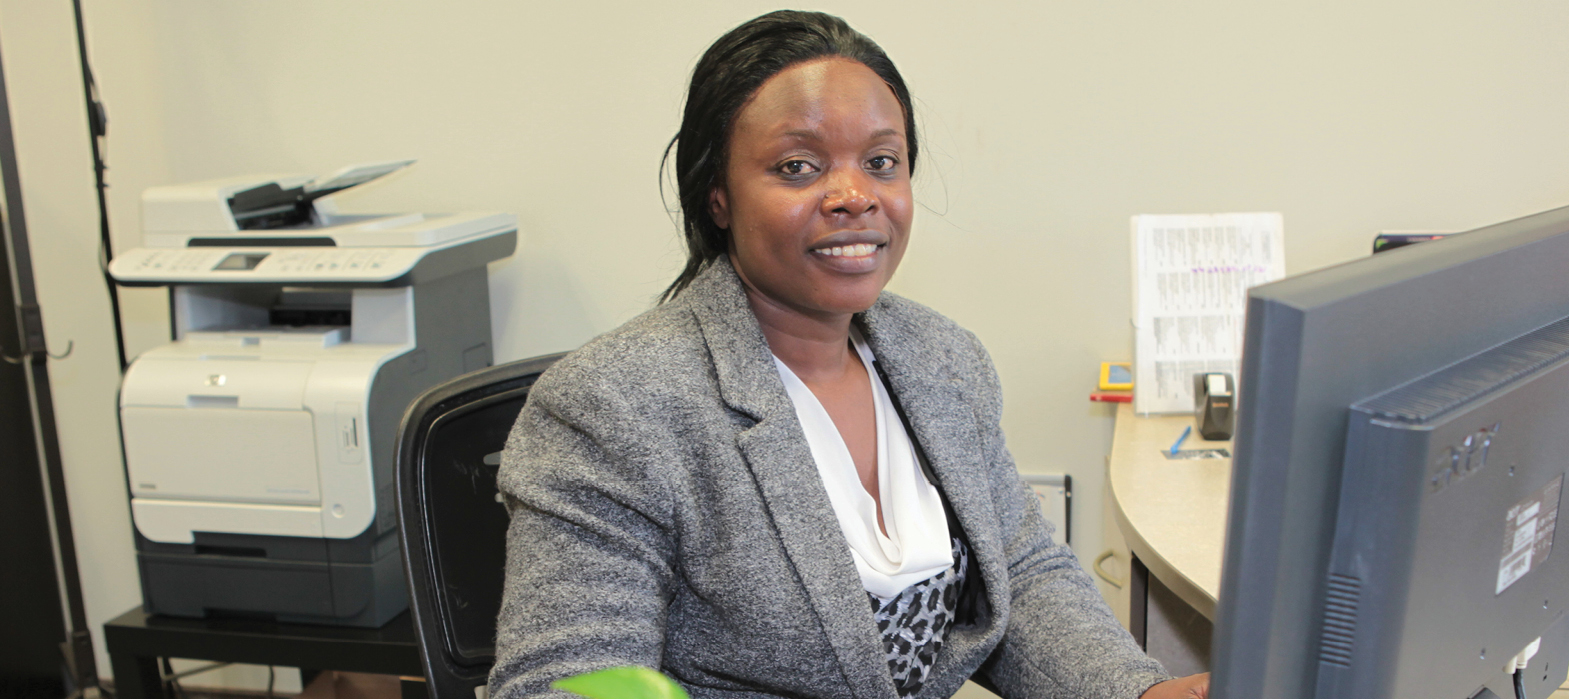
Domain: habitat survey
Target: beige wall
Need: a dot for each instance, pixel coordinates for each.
(1046, 126)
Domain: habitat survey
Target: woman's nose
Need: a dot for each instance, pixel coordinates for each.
(848, 194)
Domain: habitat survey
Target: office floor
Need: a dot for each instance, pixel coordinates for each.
(352, 685)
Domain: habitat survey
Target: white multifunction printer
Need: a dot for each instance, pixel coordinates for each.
(259, 443)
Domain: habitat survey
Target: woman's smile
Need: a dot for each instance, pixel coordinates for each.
(851, 252)
(858, 251)
(862, 250)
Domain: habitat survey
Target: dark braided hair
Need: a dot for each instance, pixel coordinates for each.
(727, 75)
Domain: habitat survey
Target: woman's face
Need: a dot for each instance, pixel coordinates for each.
(817, 189)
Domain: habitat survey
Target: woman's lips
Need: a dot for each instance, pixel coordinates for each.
(857, 250)
(855, 258)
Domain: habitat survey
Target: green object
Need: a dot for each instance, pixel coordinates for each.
(633, 682)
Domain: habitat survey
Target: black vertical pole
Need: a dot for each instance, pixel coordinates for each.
(97, 128)
(78, 647)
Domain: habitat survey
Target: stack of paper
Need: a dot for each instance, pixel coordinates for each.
(1191, 276)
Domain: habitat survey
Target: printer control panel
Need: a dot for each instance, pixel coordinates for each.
(262, 265)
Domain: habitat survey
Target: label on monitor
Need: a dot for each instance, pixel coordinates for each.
(1528, 534)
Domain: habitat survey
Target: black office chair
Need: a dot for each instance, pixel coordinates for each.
(452, 525)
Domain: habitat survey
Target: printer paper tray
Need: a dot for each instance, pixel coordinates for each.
(175, 521)
(222, 454)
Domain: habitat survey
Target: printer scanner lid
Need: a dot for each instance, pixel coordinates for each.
(253, 202)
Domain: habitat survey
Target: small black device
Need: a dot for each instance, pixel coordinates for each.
(1389, 241)
(1214, 402)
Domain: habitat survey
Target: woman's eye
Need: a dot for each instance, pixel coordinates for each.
(797, 167)
(882, 162)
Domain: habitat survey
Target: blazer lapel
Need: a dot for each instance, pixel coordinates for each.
(776, 450)
(933, 400)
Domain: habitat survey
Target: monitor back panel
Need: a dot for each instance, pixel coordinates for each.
(1315, 345)
(1443, 564)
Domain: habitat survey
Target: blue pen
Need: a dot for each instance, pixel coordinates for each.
(1178, 444)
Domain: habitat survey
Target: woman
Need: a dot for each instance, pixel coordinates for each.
(782, 480)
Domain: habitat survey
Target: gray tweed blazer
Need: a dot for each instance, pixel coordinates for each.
(666, 512)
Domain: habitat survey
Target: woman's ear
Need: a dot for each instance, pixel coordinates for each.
(719, 207)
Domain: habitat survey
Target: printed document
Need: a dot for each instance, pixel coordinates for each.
(1191, 275)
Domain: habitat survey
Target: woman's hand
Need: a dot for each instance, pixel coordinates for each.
(1190, 687)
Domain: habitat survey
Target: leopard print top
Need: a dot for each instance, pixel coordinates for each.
(915, 622)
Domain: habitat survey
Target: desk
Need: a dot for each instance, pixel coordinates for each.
(135, 641)
(1172, 513)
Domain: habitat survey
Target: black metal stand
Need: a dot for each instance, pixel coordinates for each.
(136, 641)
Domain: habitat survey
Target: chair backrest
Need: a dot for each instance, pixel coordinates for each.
(452, 524)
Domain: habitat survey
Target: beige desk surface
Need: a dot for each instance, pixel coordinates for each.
(1172, 512)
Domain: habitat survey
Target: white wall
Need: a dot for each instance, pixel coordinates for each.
(1046, 126)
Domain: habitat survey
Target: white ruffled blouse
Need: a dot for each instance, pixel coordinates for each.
(917, 545)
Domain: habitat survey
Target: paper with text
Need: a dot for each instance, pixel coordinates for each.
(1191, 275)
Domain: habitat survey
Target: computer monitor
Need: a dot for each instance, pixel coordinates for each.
(1399, 415)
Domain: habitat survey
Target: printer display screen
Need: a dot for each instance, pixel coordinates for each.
(242, 261)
